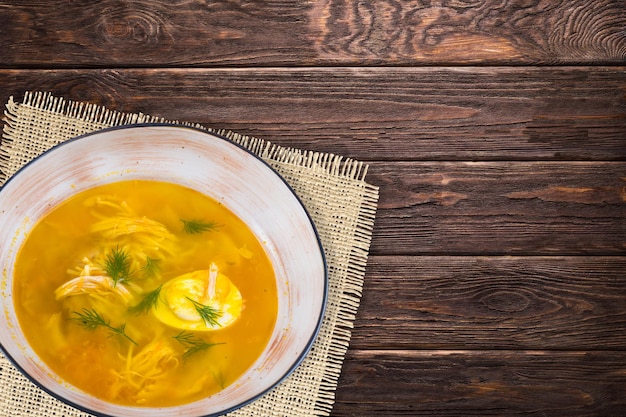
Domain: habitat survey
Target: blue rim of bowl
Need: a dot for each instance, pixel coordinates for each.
(210, 135)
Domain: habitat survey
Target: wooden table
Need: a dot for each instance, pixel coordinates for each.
(496, 131)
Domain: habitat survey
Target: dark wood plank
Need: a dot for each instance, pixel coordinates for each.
(285, 32)
(469, 32)
(114, 33)
(503, 208)
(527, 303)
(377, 113)
(482, 383)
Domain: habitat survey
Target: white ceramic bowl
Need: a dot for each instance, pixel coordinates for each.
(213, 166)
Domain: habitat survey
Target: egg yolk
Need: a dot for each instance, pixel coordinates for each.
(199, 300)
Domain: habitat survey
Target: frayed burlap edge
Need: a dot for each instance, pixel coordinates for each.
(99, 117)
(332, 188)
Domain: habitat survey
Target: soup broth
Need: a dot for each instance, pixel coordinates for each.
(145, 293)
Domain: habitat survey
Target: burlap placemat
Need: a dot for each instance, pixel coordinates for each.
(334, 191)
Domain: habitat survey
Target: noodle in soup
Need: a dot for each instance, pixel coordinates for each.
(145, 293)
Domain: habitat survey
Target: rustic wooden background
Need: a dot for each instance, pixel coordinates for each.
(496, 131)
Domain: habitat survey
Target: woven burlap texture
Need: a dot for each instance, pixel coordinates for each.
(341, 203)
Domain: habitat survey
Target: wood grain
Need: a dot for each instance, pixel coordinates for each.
(333, 32)
(482, 383)
(524, 303)
(469, 32)
(114, 33)
(503, 208)
(375, 113)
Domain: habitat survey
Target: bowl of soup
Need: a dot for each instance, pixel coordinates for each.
(156, 270)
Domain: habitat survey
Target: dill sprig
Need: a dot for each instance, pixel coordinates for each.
(152, 267)
(208, 314)
(148, 301)
(193, 227)
(90, 319)
(117, 265)
(192, 343)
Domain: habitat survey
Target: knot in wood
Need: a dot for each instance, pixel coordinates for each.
(506, 301)
(130, 26)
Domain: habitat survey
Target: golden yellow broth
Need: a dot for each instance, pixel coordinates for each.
(155, 371)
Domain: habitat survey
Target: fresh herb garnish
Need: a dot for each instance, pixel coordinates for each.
(117, 265)
(192, 343)
(147, 302)
(152, 267)
(90, 319)
(218, 376)
(208, 314)
(193, 227)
